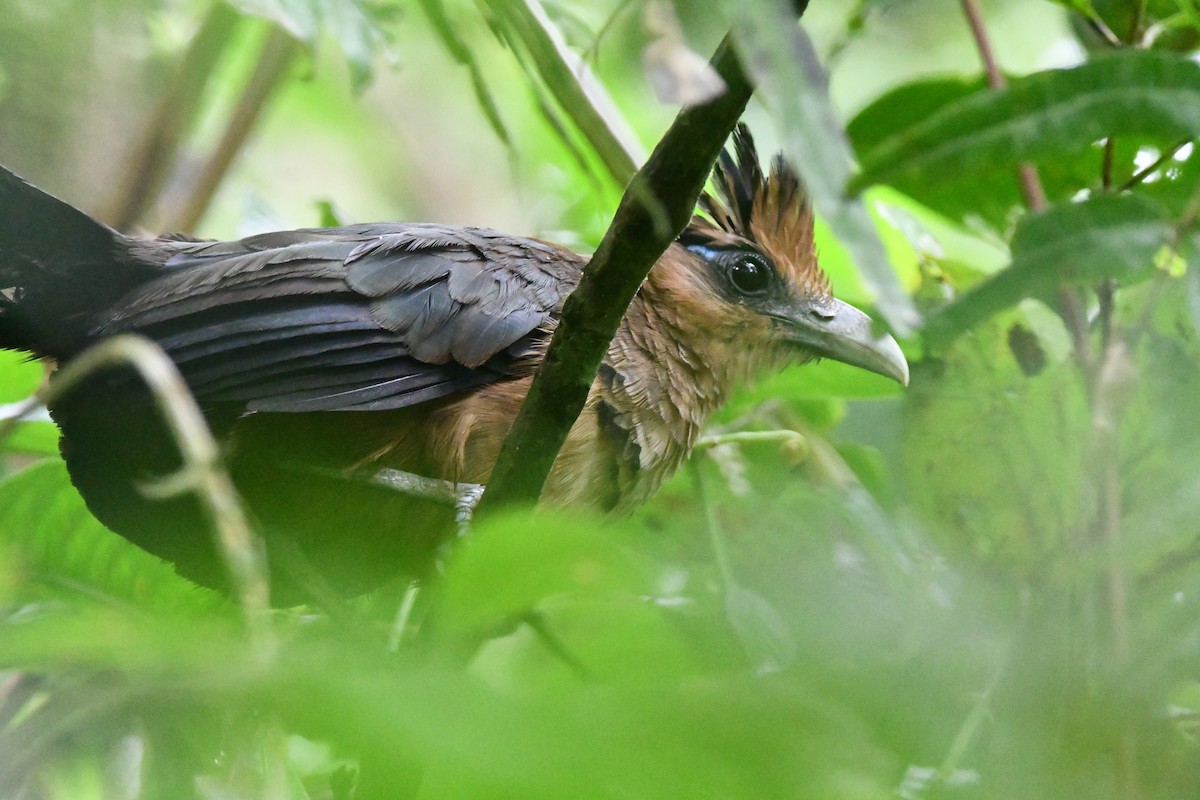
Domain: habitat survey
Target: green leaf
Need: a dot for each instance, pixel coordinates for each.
(543, 53)
(998, 452)
(1046, 115)
(764, 634)
(298, 17)
(1082, 6)
(508, 566)
(19, 377)
(353, 24)
(36, 437)
(462, 53)
(991, 195)
(782, 61)
(586, 592)
(1106, 237)
(49, 541)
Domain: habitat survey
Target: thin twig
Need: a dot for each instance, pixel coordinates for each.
(1147, 171)
(1138, 22)
(1031, 182)
(1103, 31)
(716, 534)
(747, 437)
(1106, 289)
(203, 471)
(1106, 163)
(966, 733)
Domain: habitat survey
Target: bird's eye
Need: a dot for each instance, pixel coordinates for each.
(749, 275)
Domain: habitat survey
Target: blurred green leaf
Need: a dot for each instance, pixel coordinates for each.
(19, 376)
(354, 24)
(1043, 116)
(732, 736)
(998, 452)
(524, 26)
(51, 541)
(552, 554)
(762, 631)
(1106, 237)
(298, 17)
(1082, 6)
(33, 437)
(436, 12)
(1158, 24)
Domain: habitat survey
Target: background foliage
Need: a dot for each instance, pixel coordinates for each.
(985, 585)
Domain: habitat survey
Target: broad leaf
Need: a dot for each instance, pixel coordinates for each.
(1107, 237)
(549, 555)
(1046, 115)
(988, 195)
(49, 541)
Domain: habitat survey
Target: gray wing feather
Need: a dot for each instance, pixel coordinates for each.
(365, 317)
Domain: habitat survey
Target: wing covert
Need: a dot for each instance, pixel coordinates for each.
(368, 317)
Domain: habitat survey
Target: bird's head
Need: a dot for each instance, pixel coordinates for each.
(750, 273)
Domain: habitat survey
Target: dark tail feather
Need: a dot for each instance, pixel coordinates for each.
(58, 267)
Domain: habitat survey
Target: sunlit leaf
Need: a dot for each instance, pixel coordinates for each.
(19, 376)
(37, 437)
(1045, 115)
(1107, 237)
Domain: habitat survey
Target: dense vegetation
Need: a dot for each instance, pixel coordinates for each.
(984, 585)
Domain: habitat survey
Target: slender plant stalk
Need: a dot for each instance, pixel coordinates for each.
(1137, 25)
(1145, 172)
(571, 83)
(278, 52)
(157, 149)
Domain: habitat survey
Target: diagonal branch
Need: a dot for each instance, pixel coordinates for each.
(656, 206)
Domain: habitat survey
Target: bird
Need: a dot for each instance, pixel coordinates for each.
(320, 354)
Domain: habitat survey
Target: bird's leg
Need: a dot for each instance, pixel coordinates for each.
(464, 507)
(463, 496)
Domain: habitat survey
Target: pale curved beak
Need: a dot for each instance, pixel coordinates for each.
(833, 329)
